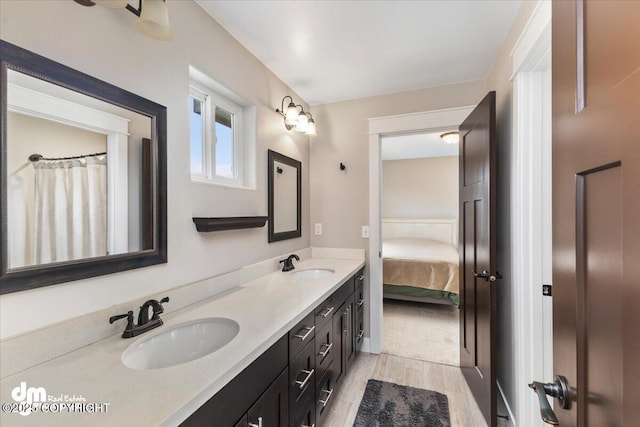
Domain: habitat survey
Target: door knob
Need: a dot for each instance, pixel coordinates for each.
(486, 276)
(559, 389)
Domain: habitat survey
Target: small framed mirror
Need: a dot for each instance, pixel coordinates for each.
(82, 175)
(285, 197)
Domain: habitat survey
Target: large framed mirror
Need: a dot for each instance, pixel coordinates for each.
(82, 175)
(285, 197)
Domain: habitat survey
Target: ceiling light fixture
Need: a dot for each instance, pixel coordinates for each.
(301, 121)
(450, 137)
(153, 18)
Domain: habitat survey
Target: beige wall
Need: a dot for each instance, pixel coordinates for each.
(499, 80)
(420, 188)
(104, 43)
(340, 200)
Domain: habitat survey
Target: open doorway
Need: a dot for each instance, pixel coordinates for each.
(419, 246)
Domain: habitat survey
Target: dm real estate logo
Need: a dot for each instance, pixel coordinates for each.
(28, 397)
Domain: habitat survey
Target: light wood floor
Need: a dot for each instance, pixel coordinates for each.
(463, 410)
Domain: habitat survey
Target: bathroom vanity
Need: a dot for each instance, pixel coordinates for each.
(298, 334)
(294, 381)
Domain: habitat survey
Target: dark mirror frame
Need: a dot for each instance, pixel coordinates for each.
(21, 60)
(284, 235)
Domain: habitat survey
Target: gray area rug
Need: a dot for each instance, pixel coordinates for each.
(391, 405)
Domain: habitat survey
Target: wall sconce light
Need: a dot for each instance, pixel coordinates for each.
(450, 137)
(153, 18)
(300, 120)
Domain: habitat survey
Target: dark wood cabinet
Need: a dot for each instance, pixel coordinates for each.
(272, 409)
(231, 404)
(293, 383)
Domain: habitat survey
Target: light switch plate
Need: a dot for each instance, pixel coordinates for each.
(318, 229)
(365, 231)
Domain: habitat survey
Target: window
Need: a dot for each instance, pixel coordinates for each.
(222, 136)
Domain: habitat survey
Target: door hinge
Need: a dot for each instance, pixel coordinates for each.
(546, 290)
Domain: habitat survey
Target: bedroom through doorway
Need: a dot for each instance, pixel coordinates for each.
(419, 234)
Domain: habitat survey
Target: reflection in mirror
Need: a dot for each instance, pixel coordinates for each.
(285, 181)
(82, 175)
(284, 197)
(74, 185)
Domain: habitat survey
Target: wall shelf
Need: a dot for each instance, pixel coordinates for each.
(229, 223)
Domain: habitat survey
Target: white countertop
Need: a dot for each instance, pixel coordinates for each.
(265, 309)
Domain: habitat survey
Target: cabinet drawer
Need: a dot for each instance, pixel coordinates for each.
(324, 312)
(359, 295)
(359, 278)
(302, 374)
(305, 409)
(324, 397)
(343, 292)
(324, 349)
(301, 334)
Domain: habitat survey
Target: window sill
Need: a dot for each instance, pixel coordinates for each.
(199, 180)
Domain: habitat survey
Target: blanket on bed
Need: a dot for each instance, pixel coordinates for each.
(421, 263)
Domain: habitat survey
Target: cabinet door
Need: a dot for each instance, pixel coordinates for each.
(243, 422)
(349, 346)
(339, 361)
(272, 408)
(359, 329)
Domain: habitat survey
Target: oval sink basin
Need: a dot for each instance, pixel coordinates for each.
(180, 344)
(313, 273)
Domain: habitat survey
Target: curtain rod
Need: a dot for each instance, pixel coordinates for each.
(38, 157)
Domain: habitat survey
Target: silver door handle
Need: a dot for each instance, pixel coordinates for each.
(326, 350)
(361, 302)
(309, 329)
(329, 310)
(304, 425)
(256, 425)
(360, 334)
(329, 393)
(559, 389)
(306, 380)
(360, 277)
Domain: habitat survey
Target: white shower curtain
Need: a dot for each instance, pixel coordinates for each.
(17, 221)
(70, 209)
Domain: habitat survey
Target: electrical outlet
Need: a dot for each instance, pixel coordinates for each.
(365, 231)
(319, 229)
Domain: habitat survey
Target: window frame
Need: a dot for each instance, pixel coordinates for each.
(211, 99)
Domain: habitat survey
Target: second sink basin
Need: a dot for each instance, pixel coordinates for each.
(180, 344)
(313, 273)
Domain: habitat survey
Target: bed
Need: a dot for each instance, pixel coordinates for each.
(420, 260)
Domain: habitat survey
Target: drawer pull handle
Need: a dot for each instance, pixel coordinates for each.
(360, 277)
(304, 425)
(306, 380)
(329, 310)
(256, 425)
(326, 350)
(360, 334)
(361, 302)
(329, 393)
(309, 329)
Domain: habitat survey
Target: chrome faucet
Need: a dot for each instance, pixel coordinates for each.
(144, 323)
(288, 262)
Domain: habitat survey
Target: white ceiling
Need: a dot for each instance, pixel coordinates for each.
(416, 146)
(330, 51)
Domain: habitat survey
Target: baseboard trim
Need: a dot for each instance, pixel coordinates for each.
(366, 345)
(512, 419)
